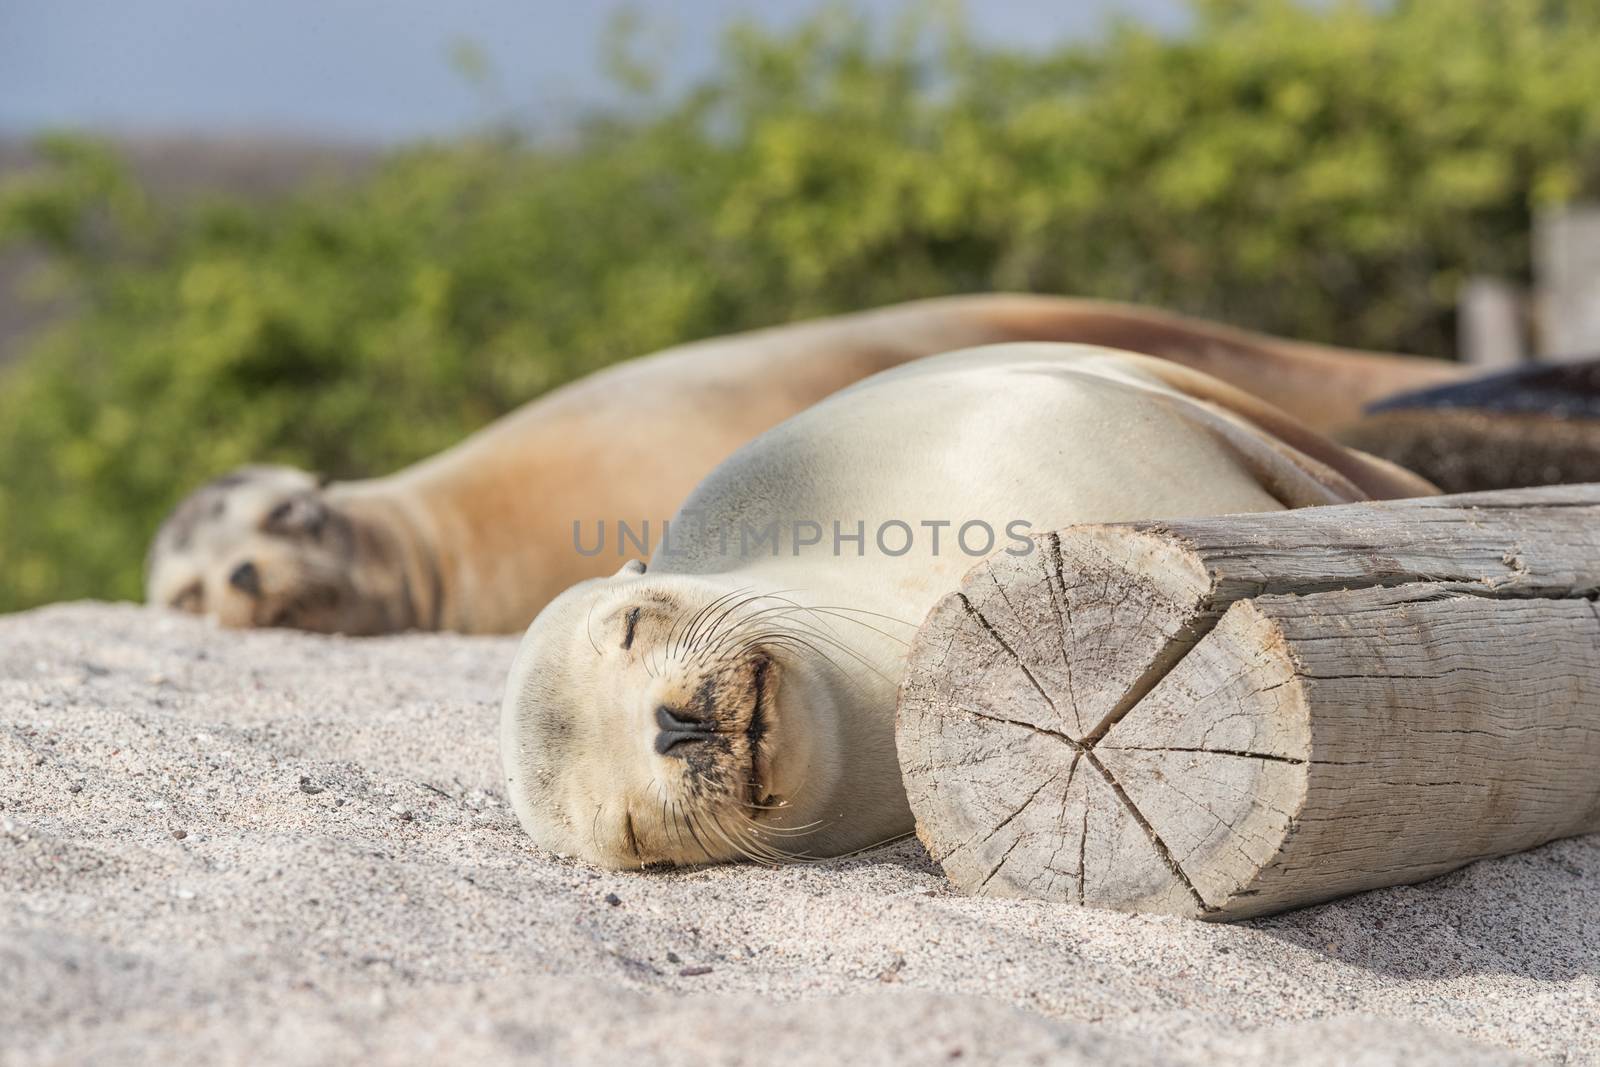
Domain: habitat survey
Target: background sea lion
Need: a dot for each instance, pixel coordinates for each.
(1536, 425)
(731, 702)
(480, 537)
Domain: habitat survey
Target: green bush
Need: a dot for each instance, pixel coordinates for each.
(1328, 170)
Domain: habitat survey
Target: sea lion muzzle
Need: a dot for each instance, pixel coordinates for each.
(246, 578)
(676, 732)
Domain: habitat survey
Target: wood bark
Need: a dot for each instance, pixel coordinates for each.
(1230, 716)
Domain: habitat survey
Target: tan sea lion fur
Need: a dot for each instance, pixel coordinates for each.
(730, 703)
(480, 537)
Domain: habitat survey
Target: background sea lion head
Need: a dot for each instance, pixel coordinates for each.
(264, 546)
(666, 720)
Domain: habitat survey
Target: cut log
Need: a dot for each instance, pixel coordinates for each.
(1232, 716)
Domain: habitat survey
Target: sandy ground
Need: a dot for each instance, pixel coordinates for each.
(273, 847)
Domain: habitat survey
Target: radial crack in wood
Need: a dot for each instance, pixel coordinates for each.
(1225, 717)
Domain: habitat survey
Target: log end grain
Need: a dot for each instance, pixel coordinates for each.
(1231, 716)
(1051, 745)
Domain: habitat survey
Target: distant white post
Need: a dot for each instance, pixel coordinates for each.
(1491, 324)
(1566, 253)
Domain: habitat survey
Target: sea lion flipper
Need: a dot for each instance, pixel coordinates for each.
(1565, 390)
(1536, 425)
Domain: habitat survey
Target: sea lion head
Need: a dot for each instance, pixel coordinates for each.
(265, 546)
(670, 719)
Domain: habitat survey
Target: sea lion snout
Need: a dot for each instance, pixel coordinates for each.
(641, 725)
(273, 546)
(246, 578)
(678, 733)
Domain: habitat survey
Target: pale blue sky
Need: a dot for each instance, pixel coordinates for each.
(379, 70)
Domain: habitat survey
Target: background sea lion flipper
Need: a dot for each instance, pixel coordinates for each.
(1537, 425)
(1568, 390)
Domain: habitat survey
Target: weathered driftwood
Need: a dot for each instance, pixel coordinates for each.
(1227, 717)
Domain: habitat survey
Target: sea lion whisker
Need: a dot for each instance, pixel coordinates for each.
(781, 638)
(839, 612)
(691, 634)
(730, 628)
(847, 610)
(752, 851)
(680, 617)
(676, 823)
(688, 620)
(846, 618)
(780, 806)
(739, 847)
(816, 625)
(699, 617)
(829, 635)
(802, 645)
(786, 805)
(733, 631)
(715, 627)
(588, 630)
(752, 848)
(779, 855)
(783, 831)
(801, 631)
(876, 844)
(791, 798)
(733, 626)
(789, 612)
(805, 642)
(693, 827)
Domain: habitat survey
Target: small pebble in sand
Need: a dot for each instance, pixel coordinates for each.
(613, 900)
(180, 834)
(694, 972)
(673, 957)
(308, 787)
(75, 787)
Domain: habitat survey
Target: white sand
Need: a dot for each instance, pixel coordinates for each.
(273, 847)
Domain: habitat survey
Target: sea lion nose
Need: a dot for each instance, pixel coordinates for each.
(677, 732)
(246, 578)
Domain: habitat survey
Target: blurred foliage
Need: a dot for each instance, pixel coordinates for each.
(1328, 170)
